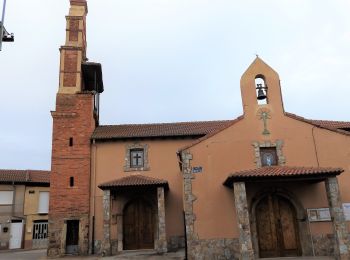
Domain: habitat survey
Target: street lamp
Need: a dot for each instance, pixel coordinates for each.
(4, 35)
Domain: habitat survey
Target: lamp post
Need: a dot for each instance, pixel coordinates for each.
(4, 35)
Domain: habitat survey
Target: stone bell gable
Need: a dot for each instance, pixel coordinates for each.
(260, 177)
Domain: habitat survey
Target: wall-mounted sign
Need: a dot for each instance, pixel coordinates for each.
(197, 169)
(320, 214)
(346, 208)
(323, 214)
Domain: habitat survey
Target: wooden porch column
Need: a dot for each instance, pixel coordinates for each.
(161, 242)
(106, 241)
(241, 206)
(341, 249)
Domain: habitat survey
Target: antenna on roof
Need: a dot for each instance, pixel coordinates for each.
(4, 35)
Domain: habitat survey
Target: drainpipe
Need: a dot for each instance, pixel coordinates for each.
(93, 236)
(184, 216)
(13, 199)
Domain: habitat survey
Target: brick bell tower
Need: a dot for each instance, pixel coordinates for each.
(74, 120)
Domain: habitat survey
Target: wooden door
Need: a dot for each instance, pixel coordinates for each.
(277, 227)
(138, 228)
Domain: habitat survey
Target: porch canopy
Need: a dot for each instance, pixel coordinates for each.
(134, 181)
(282, 173)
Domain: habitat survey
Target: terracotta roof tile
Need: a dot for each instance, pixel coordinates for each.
(232, 122)
(331, 124)
(203, 129)
(337, 126)
(281, 172)
(199, 128)
(24, 176)
(135, 180)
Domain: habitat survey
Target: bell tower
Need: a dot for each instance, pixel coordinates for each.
(75, 117)
(260, 89)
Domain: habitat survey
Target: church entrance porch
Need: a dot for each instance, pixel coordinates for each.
(271, 218)
(277, 229)
(134, 214)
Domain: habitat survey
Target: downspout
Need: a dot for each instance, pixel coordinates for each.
(13, 200)
(93, 192)
(318, 164)
(184, 214)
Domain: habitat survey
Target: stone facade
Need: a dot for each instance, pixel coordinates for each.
(242, 213)
(176, 242)
(58, 231)
(339, 225)
(323, 244)
(161, 241)
(189, 198)
(220, 249)
(106, 242)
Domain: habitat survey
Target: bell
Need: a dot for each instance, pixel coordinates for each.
(261, 94)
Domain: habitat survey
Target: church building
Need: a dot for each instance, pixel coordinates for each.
(266, 184)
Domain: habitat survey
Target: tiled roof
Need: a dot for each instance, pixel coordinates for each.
(232, 122)
(331, 124)
(281, 172)
(134, 181)
(338, 126)
(199, 128)
(202, 129)
(24, 176)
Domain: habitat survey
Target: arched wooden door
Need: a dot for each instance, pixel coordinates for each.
(277, 227)
(138, 227)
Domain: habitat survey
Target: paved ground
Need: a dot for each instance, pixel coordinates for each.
(300, 258)
(130, 255)
(23, 255)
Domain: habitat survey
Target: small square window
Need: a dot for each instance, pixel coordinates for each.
(136, 158)
(268, 156)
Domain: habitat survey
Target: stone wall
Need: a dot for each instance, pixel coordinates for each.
(176, 242)
(218, 249)
(323, 244)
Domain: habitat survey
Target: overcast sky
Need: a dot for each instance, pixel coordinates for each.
(171, 60)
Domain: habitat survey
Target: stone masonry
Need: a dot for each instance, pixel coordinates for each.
(198, 249)
(162, 241)
(188, 200)
(241, 206)
(106, 242)
(339, 225)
